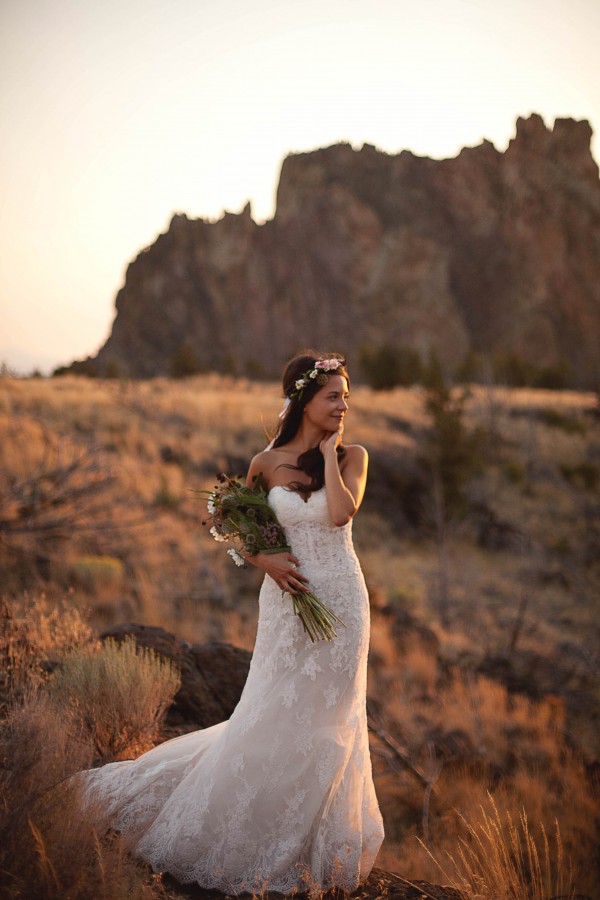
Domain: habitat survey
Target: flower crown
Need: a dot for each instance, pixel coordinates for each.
(318, 374)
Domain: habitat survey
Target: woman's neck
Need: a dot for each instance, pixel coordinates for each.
(307, 436)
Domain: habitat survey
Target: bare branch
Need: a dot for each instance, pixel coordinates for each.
(67, 488)
(400, 753)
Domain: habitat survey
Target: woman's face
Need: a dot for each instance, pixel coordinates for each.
(330, 404)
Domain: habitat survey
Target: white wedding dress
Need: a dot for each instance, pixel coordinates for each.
(280, 796)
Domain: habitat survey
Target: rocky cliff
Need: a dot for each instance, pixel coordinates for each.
(488, 251)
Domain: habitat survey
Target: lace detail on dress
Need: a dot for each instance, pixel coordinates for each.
(280, 796)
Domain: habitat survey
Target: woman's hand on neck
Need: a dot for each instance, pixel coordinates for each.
(331, 441)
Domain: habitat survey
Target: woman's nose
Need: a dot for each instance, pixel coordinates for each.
(344, 403)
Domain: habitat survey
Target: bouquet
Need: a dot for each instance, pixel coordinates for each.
(241, 515)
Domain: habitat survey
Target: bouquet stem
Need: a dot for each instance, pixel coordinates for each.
(317, 619)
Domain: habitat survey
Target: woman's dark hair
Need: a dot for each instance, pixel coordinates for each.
(311, 461)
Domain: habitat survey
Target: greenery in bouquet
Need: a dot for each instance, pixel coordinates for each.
(242, 516)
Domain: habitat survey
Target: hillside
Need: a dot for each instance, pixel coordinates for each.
(485, 634)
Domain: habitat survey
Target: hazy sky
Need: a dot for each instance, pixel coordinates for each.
(118, 113)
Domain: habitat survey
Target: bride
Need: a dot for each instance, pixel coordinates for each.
(280, 797)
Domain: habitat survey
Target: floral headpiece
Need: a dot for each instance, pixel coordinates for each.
(318, 374)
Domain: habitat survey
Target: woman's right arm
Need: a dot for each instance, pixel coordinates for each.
(282, 567)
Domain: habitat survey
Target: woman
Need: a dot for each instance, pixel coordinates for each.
(280, 797)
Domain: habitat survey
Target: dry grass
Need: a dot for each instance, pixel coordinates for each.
(160, 437)
(117, 693)
(467, 733)
(33, 634)
(48, 846)
(501, 861)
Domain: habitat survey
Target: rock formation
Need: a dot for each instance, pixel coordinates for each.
(488, 251)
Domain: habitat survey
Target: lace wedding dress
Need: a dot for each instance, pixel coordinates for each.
(280, 796)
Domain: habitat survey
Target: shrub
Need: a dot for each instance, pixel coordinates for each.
(554, 378)
(584, 475)
(97, 572)
(86, 367)
(433, 376)
(471, 369)
(112, 369)
(389, 365)
(185, 361)
(555, 419)
(450, 453)
(256, 370)
(513, 471)
(515, 371)
(117, 692)
(165, 497)
(49, 847)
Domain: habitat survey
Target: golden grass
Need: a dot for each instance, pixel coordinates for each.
(467, 732)
(161, 437)
(521, 737)
(33, 633)
(499, 860)
(117, 693)
(49, 846)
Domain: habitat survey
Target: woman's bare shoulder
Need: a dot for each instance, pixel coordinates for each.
(270, 457)
(261, 458)
(263, 464)
(356, 451)
(355, 458)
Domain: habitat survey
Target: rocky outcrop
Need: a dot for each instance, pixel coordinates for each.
(487, 251)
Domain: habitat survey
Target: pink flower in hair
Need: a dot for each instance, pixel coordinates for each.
(328, 364)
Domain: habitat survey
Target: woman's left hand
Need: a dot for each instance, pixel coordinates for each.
(332, 440)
